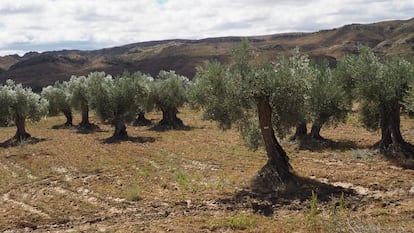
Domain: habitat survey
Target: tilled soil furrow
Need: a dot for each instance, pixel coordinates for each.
(16, 169)
(6, 197)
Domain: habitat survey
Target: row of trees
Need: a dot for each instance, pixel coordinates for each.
(291, 91)
(263, 99)
(117, 101)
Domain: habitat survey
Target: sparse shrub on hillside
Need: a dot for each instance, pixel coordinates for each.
(17, 104)
(168, 93)
(59, 98)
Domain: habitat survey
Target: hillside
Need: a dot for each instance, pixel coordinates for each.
(40, 69)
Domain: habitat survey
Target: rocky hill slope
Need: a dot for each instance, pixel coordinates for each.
(40, 69)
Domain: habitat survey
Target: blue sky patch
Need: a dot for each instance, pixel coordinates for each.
(2, 25)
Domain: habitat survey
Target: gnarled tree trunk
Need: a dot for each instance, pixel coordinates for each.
(170, 119)
(69, 118)
(316, 130)
(391, 138)
(141, 120)
(120, 129)
(85, 116)
(301, 131)
(21, 133)
(276, 174)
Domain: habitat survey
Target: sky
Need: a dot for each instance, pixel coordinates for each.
(47, 25)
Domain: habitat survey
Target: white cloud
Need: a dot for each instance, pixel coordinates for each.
(42, 24)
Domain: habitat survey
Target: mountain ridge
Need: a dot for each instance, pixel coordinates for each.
(184, 55)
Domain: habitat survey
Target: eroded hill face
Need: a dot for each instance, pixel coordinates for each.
(40, 69)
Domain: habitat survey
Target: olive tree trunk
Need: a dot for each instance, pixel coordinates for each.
(277, 171)
(391, 138)
(301, 131)
(316, 130)
(170, 119)
(69, 117)
(85, 116)
(21, 133)
(120, 129)
(141, 120)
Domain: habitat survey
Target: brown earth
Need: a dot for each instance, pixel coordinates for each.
(197, 180)
(40, 69)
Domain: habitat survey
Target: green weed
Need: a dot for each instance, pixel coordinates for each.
(236, 222)
(132, 193)
(313, 212)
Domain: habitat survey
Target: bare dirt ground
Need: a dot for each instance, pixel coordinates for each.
(197, 180)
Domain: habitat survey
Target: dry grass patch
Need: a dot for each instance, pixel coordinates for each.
(187, 180)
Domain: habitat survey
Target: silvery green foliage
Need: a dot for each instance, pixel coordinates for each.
(250, 133)
(18, 101)
(327, 101)
(409, 99)
(287, 88)
(380, 84)
(169, 90)
(143, 104)
(119, 98)
(229, 95)
(217, 93)
(58, 96)
(100, 94)
(79, 90)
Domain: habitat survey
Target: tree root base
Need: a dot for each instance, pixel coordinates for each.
(269, 180)
(142, 122)
(87, 128)
(165, 125)
(63, 126)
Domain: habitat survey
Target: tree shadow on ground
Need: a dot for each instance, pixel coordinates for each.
(88, 129)
(314, 145)
(401, 155)
(14, 142)
(163, 128)
(63, 126)
(267, 200)
(112, 140)
(143, 122)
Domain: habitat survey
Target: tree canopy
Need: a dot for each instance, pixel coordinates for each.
(79, 91)
(168, 93)
(18, 103)
(118, 100)
(327, 100)
(260, 100)
(59, 98)
(380, 85)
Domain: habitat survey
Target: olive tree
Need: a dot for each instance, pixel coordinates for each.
(327, 100)
(381, 83)
(18, 103)
(59, 98)
(259, 100)
(79, 88)
(144, 105)
(117, 100)
(168, 93)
